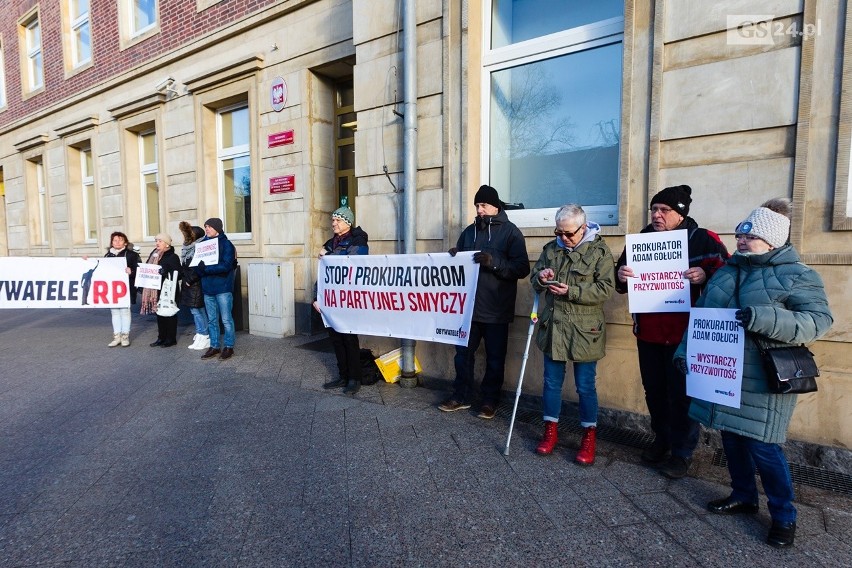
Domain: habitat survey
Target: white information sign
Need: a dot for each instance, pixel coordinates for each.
(415, 296)
(714, 356)
(658, 260)
(148, 276)
(46, 282)
(208, 251)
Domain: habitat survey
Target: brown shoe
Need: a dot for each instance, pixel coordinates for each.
(487, 412)
(210, 353)
(226, 353)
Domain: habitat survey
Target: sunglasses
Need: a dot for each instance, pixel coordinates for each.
(568, 234)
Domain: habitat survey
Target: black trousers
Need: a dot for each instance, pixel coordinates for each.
(496, 339)
(347, 349)
(167, 329)
(665, 395)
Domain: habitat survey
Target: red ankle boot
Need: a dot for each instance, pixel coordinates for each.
(548, 441)
(586, 455)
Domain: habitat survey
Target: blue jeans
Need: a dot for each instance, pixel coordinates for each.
(584, 380)
(220, 305)
(199, 316)
(496, 338)
(743, 454)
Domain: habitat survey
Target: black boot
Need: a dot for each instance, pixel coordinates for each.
(781, 535)
(335, 384)
(352, 387)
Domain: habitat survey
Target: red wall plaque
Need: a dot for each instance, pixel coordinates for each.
(280, 138)
(282, 184)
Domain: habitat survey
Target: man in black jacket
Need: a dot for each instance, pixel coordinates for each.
(503, 260)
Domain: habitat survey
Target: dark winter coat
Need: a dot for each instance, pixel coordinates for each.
(498, 285)
(219, 278)
(789, 307)
(705, 250)
(133, 259)
(170, 264)
(354, 242)
(572, 327)
(191, 294)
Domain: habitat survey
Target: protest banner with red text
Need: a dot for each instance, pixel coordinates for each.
(414, 296)
(45, 282)
(658, 261)
(714, 356)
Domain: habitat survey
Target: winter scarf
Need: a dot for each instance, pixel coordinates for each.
(149, 295)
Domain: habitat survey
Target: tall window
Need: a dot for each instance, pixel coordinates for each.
(143, 15)
(552, 97)
(234, 168)
(149, 171)
(347, 123)
(42, 203)
(2, 78)
(34, 63)
(90, 204)
(81, 38)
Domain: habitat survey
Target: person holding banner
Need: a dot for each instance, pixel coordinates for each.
(658, 335)
(347, 240)
(121, 247)
(191, 294)
(503, 260)
(217, 283)
(780, 302)
(163, 255)
(577, 275)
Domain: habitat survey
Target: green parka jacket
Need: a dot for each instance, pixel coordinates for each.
(572, 327)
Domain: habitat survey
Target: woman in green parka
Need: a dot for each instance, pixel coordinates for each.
(576, 272)
(780, 301)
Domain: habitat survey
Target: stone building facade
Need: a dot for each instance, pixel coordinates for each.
(136, 114)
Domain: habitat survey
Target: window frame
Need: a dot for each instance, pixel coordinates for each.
(582, 38)
(87, 186)
(146, 169)
(128, 36)
(29, 54)
(75, 24)
(231, 153)
(3, 99)
(41, 192)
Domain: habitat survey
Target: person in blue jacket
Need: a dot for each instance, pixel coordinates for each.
(217, 283)
(780, 301)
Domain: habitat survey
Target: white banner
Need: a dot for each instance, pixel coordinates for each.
(658, 260)
(414, 296)
(714, 356)
(148, 276)
(208, 251)
(45, 282)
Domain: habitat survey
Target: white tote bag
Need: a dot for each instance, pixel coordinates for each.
(166, 306)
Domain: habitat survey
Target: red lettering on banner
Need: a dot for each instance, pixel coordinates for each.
(99, 292)
(119, 290)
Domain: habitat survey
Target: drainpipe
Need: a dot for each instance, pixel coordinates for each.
(408, 377)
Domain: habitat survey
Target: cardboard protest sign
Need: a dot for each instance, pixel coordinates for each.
(658, 260)
(415, 296)
(208, 251)
(714, 356)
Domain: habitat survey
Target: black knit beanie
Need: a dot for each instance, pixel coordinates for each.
(677, 197)
(488, 194)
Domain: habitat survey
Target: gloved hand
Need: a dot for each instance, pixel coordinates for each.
(201, 264)
(453, 251)
(680, 365)
(744, 316)
(483, 258)
(160, 271)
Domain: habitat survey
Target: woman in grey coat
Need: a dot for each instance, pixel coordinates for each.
(780, 301)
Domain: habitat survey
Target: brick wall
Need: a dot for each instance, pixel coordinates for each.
(179, 23)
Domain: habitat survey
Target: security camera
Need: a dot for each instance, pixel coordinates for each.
(165, 85)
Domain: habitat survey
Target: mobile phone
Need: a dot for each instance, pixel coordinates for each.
(551, 283)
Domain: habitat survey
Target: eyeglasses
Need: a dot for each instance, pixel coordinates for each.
(741, 237)
(568, 234)
(663, 210)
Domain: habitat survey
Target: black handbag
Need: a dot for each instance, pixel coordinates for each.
(790, 370)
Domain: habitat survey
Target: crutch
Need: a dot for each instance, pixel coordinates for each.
(533, 320)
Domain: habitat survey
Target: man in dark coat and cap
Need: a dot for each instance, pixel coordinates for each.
(503, 260)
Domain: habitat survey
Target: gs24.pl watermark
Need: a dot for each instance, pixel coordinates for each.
(763, 29)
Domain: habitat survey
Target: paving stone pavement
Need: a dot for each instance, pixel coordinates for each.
(144, 456)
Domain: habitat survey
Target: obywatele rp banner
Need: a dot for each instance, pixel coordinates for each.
(414, 296)
(45, 282)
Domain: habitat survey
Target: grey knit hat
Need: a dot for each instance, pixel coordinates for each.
(772, 227)
(344, 214)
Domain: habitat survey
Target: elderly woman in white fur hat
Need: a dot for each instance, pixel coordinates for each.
(780, 302)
